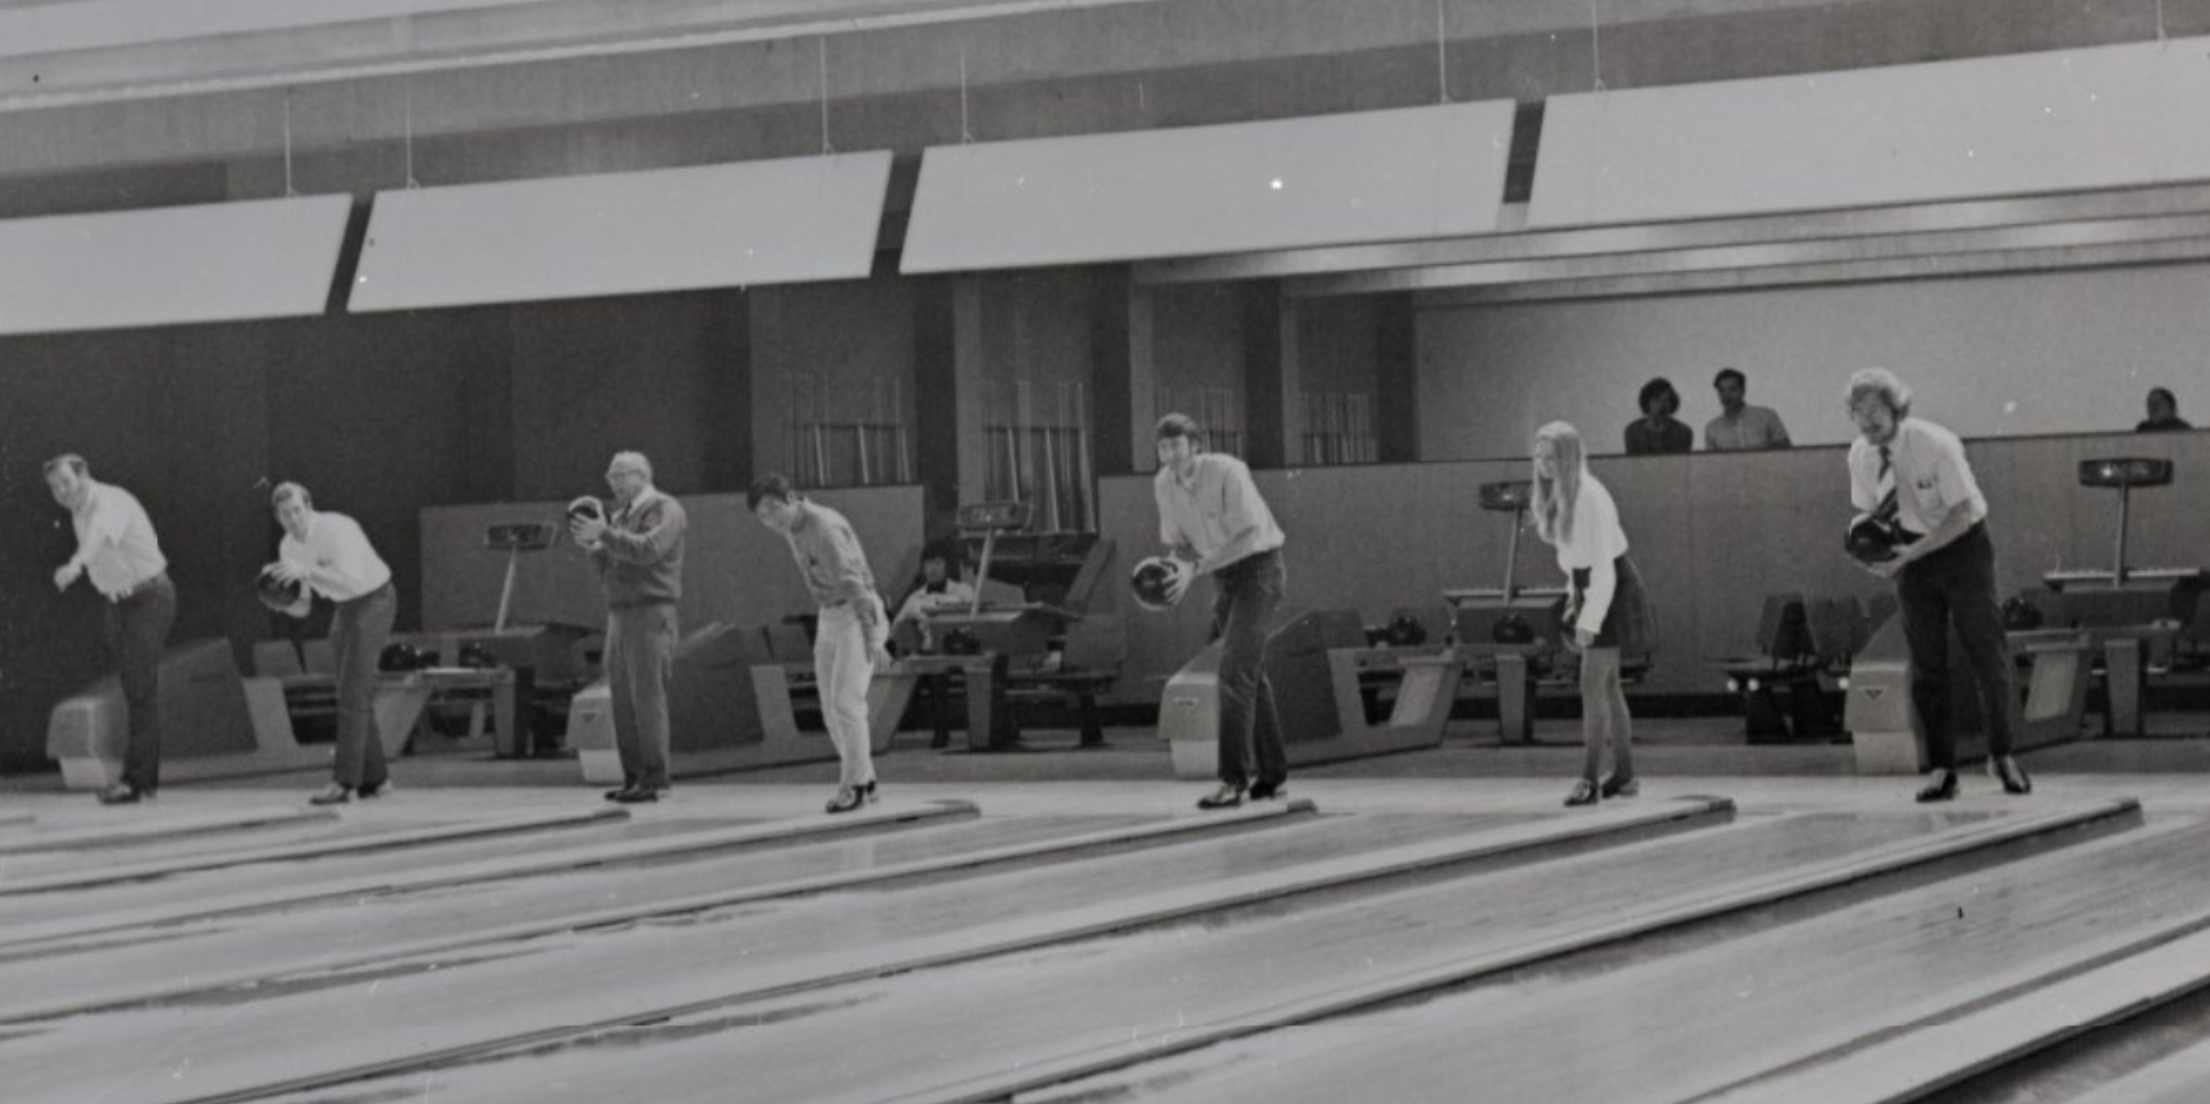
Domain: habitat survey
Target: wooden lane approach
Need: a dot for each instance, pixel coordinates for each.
(459, 1007)
(159, 829)
(292, 852)
(473, 871)
(1064, 1010)
(1757, 1017)
(25, 1002)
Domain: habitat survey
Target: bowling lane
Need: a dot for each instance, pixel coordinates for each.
(214, 885)
(2181, 1078)
(221, 950)
(87, 867)
(1672, 1029)
(399, 1011)
(947, 1028)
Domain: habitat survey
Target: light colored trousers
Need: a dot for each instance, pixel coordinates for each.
(843, 665)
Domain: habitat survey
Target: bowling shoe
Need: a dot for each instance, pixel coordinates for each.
(1226, 797)
(380, 789)
(333, 794)
(1584, 793)
(123, 793)
(2011, 774)
(1263, 790)
(1941, 787)
(638, 795)
(1616, 786)
(847, 799)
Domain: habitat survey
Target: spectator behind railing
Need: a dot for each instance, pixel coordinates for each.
(1740, 426)
(1658, 430)
(2163, 413)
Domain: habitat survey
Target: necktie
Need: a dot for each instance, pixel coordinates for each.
(1885, 484)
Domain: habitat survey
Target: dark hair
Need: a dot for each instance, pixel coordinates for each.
(773, 485)
(1179, 425)
(944, 550)
(1730, 373)
(1658, 390)
(289, 490)
(70, 460)
(2164, 393)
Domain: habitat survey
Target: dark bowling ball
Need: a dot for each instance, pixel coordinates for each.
(275, 593)
(1513, 629)
(474, 654)
(1149, 583)
(2020, 614)
(961, 642)
(1405, 631)
(1872, 541)
(587, 506)
(401, 656)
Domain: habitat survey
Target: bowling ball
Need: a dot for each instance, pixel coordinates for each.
(1513, 629)
(278, 595)
(2020, 614)
(961, 642)
(1872, 541)
(401, 656)
(1149, 582)
(474, 654)
(587, 506)
(1405, 631)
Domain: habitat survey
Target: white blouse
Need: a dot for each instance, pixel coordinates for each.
(1596, 544)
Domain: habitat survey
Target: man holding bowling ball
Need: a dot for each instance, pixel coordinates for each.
(638, 551)
(1910, 477)
(118, 553)
(328, 554)
(1210, 513)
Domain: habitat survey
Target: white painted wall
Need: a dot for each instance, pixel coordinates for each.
(2059, 352)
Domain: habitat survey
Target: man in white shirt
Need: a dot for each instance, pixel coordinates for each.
(1213, 521)
(1912, 476)
(1741, 427)
(328, 554)
(119, 553)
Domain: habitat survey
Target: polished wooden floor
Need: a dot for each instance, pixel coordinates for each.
(1402, 939)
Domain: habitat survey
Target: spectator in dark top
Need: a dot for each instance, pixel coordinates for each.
(2163, 412)
(1657, 430)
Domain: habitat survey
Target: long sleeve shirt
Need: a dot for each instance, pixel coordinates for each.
(1217, 514)
(336, 558)
(640, 555)
(115, 540)
(1594, 544)
(829, 556)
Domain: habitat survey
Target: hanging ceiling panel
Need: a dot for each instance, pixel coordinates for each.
(758, 222)
(1324, 180)
(170, 265)
(2065, 120)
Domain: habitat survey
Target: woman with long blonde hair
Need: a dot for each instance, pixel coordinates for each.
(1607, 613)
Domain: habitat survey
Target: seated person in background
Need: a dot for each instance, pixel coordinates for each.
(940, 589)
(2163, 413)
(1658, 430)
(1739, 425)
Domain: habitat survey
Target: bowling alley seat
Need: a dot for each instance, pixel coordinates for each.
(1088, 664)
(310, 699)
(1787, 660)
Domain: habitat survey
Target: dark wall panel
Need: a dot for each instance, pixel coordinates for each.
(650, 373)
